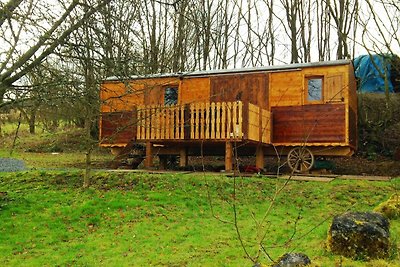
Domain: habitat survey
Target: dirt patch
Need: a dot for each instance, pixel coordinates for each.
(356, 165)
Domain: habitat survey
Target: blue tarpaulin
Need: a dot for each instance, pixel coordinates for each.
(371, 71)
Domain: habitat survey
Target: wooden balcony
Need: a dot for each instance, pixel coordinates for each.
(216, 125)
(210, 121)
(215, 121)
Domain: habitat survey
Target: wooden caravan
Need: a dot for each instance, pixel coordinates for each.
(298, 110)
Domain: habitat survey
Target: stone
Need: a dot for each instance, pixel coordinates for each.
(293, 260)
(359, 235)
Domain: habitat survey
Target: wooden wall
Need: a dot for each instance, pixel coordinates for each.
(335, 86)
(286, 88)
(117, 127)
(334, 90)
(331, 120)
(289, 88)
(248, 87)
(194, 89)
(318, 123)
(353, 108)
(154, 89)
(118, 96)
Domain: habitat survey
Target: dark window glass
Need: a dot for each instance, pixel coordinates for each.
(314, 89)
(171, 96)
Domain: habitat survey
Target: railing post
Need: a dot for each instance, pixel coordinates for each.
(187, 121)
(240, 119)
(149, 156)
(212, 136)
(260, 157)
(183, 157)
(182, 122)
(228, 156)
(246, 120)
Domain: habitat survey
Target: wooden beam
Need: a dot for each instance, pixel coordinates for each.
(260, 157)
(228, 156)
(149, 157)
(183, 157)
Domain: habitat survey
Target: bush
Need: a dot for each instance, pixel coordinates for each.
(390, 208)
(378, 124)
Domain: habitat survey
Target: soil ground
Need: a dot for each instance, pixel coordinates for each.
(355, 165)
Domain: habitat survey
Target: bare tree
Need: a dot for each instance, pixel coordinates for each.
(271, 32)
(343, 13)
(114, 33)
(323, 22)
(305, 20)
(17, 60)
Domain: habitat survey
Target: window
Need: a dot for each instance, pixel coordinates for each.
(314, 88)
(171, 96)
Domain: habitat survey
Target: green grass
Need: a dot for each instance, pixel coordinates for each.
(64, 148)
(141, 219)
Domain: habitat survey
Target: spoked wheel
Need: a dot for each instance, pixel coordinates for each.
(300, 159)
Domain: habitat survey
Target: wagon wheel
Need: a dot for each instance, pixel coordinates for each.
(300, 159)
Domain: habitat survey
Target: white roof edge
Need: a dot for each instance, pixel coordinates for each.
(238, 70)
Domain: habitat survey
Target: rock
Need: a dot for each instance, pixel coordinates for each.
(390, 208)
(293, 260)
(359, 235)
(11, 165)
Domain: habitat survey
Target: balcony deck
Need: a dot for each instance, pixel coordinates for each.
(218, 121)
(180, 129)
(211, 121)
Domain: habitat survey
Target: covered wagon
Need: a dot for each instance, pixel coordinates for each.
(297, 110)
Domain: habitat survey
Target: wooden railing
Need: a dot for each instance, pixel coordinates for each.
(203, 121)
(160, 122)
(259, 124)
(220, 120)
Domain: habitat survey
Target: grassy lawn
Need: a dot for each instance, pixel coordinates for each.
(142, 219)
(65, 148)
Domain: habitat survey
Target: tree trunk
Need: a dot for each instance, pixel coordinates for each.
(86, 178)
(32, 122)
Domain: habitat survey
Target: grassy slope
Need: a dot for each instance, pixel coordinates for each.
(140, 219)
(64, 148)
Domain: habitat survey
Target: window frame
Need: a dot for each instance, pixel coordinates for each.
(307, 78)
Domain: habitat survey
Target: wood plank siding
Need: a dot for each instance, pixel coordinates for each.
(310, 123)
(117, 127)
(249, 88)
(119, 96)
(194, 90)
(286, 89)
(353, 108)
(353, 133)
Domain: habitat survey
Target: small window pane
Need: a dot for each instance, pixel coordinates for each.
(315, 89)
(171, 96)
